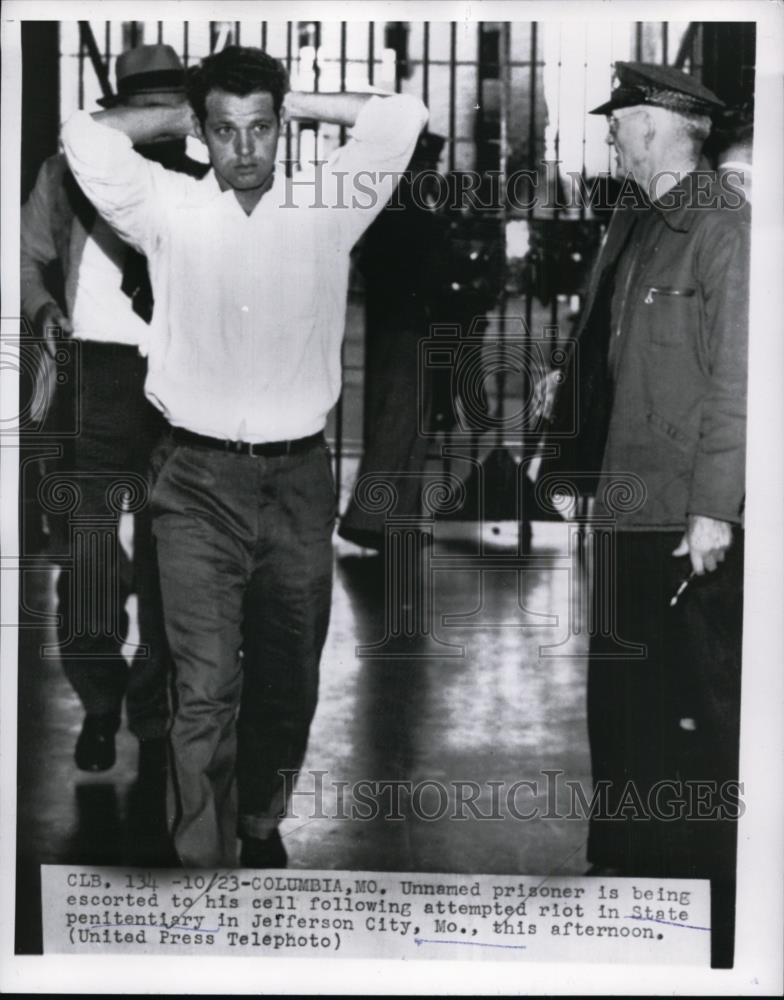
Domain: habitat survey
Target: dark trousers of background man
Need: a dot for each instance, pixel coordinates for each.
(117, 432)
(636, 713)
(245, 553)
(396, 400)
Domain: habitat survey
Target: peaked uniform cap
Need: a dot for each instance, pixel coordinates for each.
(659, 86)
(147, 69)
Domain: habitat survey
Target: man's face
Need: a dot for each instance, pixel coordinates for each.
(626, 132)
(164, 99)
(241, 134)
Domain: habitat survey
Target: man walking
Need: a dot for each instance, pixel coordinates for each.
(108, 306)
(250, 272)
(662, 368)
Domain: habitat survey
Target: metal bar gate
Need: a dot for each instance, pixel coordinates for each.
(509, 96)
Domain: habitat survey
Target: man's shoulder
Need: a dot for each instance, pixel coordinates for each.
(720, 202)
(55, 176)
(53, 170)
(721, 228)
(704, 208)
(726, 212)
(57, 190)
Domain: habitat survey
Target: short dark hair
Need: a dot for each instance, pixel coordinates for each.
(237, 69)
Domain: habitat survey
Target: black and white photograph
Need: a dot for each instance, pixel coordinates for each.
(393, 526)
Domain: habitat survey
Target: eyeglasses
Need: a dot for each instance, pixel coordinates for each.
(614, 119)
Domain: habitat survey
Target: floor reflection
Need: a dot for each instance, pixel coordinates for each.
(409, 721)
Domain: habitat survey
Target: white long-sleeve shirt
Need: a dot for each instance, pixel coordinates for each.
(249, 310)
(93, 261)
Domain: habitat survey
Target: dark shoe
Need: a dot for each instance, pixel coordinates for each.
(267, 853)
(95, 746)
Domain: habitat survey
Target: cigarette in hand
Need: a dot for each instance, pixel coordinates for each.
(681, 588)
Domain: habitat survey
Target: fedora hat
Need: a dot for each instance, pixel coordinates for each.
(147, 69)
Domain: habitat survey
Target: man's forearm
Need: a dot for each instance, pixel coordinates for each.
(338, 109)
(146, 125)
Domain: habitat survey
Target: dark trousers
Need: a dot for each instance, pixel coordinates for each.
(245, 553)
(397, 397)
(104, 468)
(636, 708)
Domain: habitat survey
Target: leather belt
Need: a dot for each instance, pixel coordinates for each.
(267, 449)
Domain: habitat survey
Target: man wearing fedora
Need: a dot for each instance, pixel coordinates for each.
(662, 415)
(107, 306)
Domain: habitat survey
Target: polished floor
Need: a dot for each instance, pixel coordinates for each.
(438, 711)
(451, 719)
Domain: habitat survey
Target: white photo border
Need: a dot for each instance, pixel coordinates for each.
(758, 958)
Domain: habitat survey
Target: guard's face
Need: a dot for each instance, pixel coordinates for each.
(164, 99)
(626, 132)
(241, 134)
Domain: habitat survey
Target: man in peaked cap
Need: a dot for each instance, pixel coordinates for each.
(107, 307)
(660, 436)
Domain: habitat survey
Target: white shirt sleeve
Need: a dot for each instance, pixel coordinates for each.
(130, 192)
(361, 176)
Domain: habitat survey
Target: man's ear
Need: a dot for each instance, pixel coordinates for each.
(198, 131)
(283, 115)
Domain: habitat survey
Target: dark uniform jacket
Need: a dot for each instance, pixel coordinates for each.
(664, 405)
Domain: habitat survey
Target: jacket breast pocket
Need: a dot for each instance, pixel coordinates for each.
(671, 314)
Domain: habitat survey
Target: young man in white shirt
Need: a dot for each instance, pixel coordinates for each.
(250, 275)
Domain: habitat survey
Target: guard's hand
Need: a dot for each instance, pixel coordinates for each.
(48, 318)
(706, 541)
